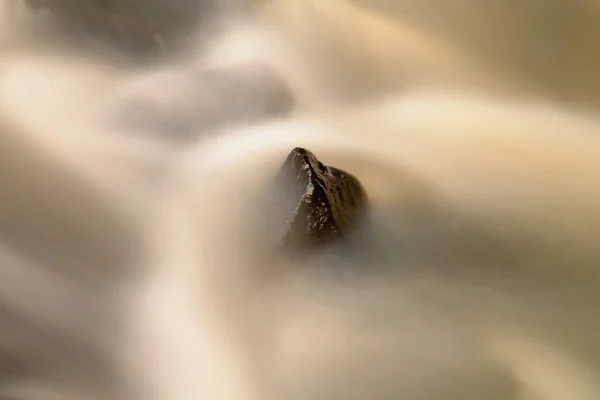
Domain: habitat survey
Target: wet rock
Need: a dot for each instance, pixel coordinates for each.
(328, 202)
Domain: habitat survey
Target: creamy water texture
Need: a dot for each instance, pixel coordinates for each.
(138, 140)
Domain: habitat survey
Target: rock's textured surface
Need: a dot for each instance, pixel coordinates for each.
(329, 201)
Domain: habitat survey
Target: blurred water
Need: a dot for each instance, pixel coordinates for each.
(114, 91)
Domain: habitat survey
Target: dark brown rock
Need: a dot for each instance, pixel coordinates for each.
(328, 202)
